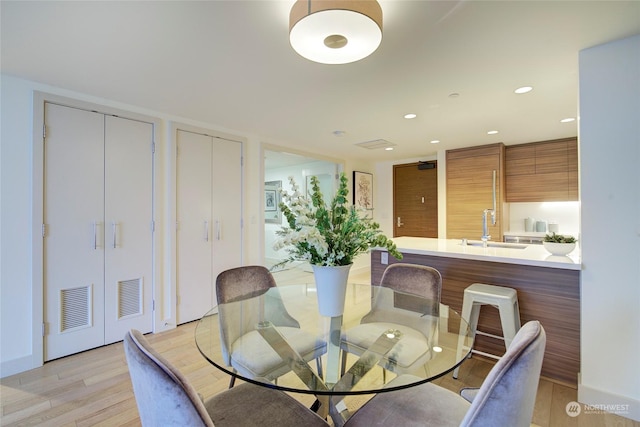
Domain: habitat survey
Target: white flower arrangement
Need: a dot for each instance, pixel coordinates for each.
(327, 236)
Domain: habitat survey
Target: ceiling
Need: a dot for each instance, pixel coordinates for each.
(229, 64)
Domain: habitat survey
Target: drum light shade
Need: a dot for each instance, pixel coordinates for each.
(335, 31)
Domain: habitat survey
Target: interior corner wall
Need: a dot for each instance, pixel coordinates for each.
(609, 149)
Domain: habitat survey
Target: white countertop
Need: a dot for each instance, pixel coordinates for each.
(534, 255)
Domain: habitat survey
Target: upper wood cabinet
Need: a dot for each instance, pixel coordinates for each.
(470, 190)
(542, 171)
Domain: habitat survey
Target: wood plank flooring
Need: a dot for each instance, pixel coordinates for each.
(93, 388)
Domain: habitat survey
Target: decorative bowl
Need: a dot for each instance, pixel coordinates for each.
(559, 248)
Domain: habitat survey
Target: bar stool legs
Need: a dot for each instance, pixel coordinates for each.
(504, 299)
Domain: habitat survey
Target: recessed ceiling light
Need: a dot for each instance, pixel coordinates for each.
(523, 89)
(435, 141)
(389, 149)
(568, 120)
(410, 116)
(454, 95)
(338, 133)
(492, 132)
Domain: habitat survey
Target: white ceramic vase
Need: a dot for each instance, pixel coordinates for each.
(331, 286)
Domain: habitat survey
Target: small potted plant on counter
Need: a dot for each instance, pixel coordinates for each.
(559, 244)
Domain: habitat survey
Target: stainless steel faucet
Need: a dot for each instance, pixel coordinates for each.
(485, 227)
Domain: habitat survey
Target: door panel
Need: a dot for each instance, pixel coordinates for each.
(74, 242)
(195, 227)
(227, 206)
(415, 201)
(129, 238)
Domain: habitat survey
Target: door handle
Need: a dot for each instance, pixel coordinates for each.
(114, 229)
(400, 224)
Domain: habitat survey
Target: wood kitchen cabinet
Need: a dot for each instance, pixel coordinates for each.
(471, 189)
(542, 171)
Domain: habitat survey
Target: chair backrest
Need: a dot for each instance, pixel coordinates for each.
(163, 395)
(409, 280)
(507, 396)
(246, 296)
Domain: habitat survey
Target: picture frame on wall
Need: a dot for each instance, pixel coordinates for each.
(363, 190)
(272, 213)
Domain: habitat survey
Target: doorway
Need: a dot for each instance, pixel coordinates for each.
(278, 167)
(415, 199)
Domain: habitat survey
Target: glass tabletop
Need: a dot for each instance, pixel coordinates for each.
(282, 330)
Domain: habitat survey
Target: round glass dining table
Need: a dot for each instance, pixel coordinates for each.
(410, 339)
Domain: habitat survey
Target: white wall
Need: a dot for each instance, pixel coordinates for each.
(610, 194)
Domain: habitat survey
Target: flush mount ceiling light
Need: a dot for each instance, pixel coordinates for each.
(335, 31)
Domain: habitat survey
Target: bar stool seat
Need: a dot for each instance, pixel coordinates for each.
(504, 299)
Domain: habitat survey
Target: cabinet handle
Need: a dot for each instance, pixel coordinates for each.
(95, 235)
(206, 231)
(493, 212)
(114, 230)
(494, 190)
(218, 233)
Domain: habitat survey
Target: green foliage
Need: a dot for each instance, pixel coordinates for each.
(559, 238)
(328, 235)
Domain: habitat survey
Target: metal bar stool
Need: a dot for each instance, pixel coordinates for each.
(504, 299)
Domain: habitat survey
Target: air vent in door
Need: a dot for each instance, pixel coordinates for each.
(129, 298)
(75, 308)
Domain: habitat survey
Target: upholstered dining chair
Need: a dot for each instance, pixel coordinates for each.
(166, 398)
(506, 397)
(418, 291)
(239, 338)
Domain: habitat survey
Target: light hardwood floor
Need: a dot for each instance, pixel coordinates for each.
(93, 388)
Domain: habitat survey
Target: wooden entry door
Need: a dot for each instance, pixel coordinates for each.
(415, 200)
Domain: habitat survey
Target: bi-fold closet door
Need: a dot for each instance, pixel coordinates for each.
(98, 237)
(209, 218)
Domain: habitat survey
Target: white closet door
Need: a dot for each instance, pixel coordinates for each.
(128, 227)
(74, 243)
(195, 283)
(227, 205)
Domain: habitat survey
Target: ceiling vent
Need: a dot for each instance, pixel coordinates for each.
(375, 144)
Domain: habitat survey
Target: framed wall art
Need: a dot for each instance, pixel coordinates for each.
(363, 190)
(272, 214)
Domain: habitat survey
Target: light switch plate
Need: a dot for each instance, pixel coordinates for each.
(384, 258)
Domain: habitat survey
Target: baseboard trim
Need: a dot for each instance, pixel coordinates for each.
(16, 366)
(595, 401)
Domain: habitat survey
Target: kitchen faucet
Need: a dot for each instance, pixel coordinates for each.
(485, 228)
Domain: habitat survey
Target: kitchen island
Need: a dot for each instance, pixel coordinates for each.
(548, 290)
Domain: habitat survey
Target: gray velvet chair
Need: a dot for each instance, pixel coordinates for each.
(506, 397)
(241, 342)
(419, 288)
(166, 398)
